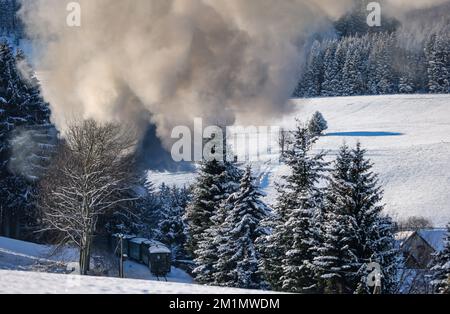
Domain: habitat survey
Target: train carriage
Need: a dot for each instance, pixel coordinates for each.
(155, 255)
(136, 248)
(145, 253)
(160, 259)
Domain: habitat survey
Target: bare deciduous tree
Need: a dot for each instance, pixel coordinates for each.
(89, 176)
(415, 223)
(284, 139)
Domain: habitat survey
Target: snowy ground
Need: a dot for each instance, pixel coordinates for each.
(17, 282)
(25, 256)
(19, 255)
(407, 137)
(32, 268)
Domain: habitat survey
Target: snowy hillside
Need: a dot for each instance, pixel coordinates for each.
(31, 268)
(26, 256)
(19, 255)
(407, 137)
(17, 282)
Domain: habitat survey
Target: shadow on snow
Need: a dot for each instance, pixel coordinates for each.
(365, 134)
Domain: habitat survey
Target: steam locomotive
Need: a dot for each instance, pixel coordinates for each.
(155, 255)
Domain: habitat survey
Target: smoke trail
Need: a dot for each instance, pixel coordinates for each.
(169, 61)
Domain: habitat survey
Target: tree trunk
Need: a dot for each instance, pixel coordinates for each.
(85, 256)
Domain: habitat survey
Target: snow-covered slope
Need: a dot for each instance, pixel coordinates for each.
(25, 267)
(26, 256)
(20, 255)
(32, 268)
(17, 282)
(407, 138)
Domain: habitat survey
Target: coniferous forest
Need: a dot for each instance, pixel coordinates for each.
(390, 60)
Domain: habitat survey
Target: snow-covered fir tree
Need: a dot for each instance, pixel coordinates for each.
(352, 79)
(405, 85)
(11, 25)
(289, 250)
(215, 182)
(441, 268)
(171, 228)
(330, 69)
(375, 63)
(238, 255)
(437, 53)
(317, 125)
(218, 179)
(356, 232)
(333, 259)
(407, 72)
(382, 75)
(23, 114)
(206, 254)
(135, 216)
(310, 85)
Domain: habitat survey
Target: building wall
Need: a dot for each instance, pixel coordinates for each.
(418, 252)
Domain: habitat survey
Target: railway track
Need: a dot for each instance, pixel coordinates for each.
(163, 277)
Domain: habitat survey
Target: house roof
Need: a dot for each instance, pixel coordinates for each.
(402, 236)
(157, 247)
(434, 237)
(139, 240)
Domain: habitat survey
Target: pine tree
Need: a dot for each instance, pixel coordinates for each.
(356, 231)
(441, 268)
(352, 78)
(437, 53)
(331, 69)
(216, 182)
(382, 77)
(173, 202)
(23, 115)
(288, 250)
(407, 81)
(135, 216)
(336, 83)
(311, 82)
(334, 258)
(238, 255)
(10, 23)
(317, 125)
(406, 85)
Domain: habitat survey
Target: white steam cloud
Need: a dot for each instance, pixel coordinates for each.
(173, 60)
(169, 61)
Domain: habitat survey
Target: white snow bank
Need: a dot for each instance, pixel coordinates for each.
(16, 282)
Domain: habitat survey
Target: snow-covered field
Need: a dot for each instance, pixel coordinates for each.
(19, 255)
(32, 268)
(18, 282)
(407, 138)
(26, 256)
